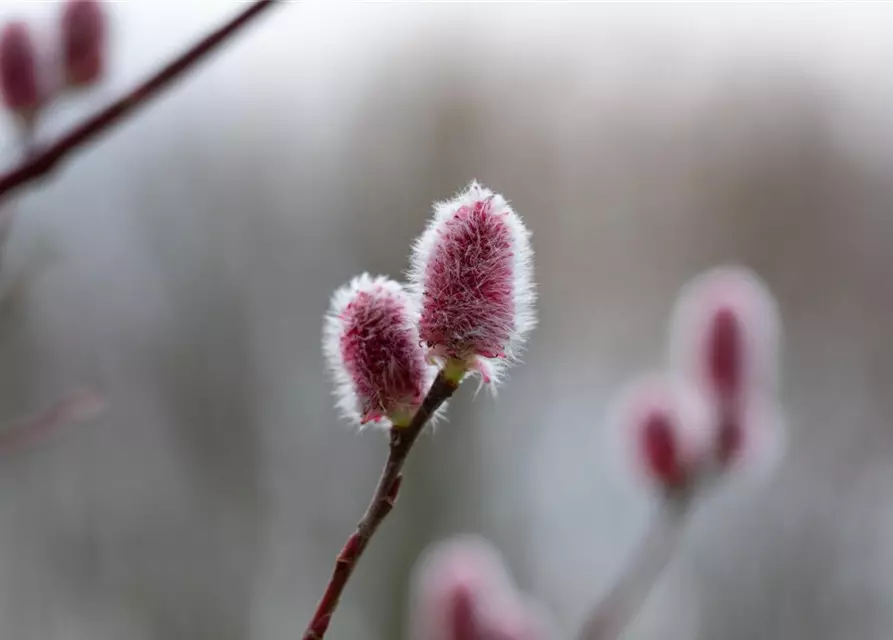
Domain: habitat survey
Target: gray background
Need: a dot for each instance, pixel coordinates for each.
(182, 266)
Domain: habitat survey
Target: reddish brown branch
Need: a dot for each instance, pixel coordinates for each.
(382, 502)
(42, 161)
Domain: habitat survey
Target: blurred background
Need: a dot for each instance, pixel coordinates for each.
(181, 266)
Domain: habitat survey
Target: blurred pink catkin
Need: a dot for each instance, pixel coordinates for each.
(83, 42)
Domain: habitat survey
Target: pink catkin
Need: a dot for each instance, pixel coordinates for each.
(461, 615)
(18, 69)
(83, 36)
(725, 333)
(472, 277)
(725, 352)
(660, 449)
(725, 338)
(372, 346)
(462, 591)
(468, 307)
(725, 368)
(669, 426)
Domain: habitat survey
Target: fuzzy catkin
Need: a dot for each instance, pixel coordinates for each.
(472, 277)
(371, 344)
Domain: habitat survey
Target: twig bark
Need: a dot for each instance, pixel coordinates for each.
(42, 161)
(615, 611)
(402, 440)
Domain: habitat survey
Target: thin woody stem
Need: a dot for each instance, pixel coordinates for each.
(615, 611)
(402, 440)
(41, 162)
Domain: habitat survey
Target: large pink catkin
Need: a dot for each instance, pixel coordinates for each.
(18, 69)
(472, 277)
(372, 346)
(83, 42)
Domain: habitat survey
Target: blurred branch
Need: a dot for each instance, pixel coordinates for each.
(402, 440)
(40, 162)
(79, 406)
(614, 612)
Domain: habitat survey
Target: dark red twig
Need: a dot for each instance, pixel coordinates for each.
(42, 161)
(382, 502)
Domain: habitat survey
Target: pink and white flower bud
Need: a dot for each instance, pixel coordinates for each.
(725, 333)
(83, 42)
(669, 426)
(18, 70)
(462, 591)
(372, 346)
(725, 337)
(472, 275)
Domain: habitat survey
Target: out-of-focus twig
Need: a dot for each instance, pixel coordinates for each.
(42, 161)
(78, 406)
(614, 612)
(402, 440)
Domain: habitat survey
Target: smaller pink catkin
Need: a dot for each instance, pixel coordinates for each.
(471, 274)
(372, 347)
(83, 42)
(462, 591)
(725, 338)
(18, 70)
(725, 333)
(669, 427)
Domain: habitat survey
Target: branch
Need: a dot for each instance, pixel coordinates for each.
(41, 162)
(402, 440)
(78, 406)
(615, 611)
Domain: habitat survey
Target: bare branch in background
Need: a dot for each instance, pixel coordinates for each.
(43, 160)
(619, 607)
